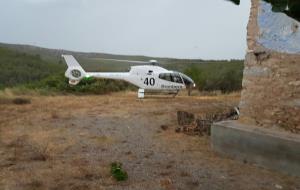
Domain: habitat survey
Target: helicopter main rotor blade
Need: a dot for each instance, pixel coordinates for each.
(126, 61)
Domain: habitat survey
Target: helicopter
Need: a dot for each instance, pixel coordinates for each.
(148, 78)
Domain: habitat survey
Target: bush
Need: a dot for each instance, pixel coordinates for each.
(224, 76)
(20, 68)
(117, 172)
(58, 83)
(21, 101)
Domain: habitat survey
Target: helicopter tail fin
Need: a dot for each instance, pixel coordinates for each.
(74, 72)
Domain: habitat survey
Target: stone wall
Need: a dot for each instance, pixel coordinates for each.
(271, 84)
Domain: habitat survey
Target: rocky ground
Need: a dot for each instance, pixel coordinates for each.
(69, 142)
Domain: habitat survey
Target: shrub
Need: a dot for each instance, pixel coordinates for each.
(213, 76)
(58, 83)
(117, 172)
(21, 101)
(19, 68)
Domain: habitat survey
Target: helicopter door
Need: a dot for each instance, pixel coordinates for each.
(171, 81)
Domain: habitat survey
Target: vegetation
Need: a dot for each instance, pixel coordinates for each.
(20, 68)
(25, 72)
(237, 2)
(58, 83)
(27, 68)
(117, 172)
(293, 9)
(21, 101)
(224, 76)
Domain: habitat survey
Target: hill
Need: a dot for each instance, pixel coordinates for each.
(20, 68)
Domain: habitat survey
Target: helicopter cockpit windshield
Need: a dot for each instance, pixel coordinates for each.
(187, 80)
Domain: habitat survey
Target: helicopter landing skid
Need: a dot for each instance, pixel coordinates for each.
(142, 93)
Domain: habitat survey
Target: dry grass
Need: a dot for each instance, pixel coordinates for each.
(8, 97)
(4, 100)
(23, 149)
(68, 142)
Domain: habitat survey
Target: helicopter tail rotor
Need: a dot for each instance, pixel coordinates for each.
(75, 72)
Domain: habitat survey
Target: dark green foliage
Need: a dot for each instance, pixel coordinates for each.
(224, 76)
(58, 83)
(281, 6)
(117, 172)
(237, 2)
(20, 68)
(31, 72)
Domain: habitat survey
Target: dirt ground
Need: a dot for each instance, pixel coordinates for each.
(69, 142)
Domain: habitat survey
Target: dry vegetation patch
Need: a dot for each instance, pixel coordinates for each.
(25, 150)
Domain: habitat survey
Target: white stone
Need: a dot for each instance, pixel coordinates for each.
(295, 83)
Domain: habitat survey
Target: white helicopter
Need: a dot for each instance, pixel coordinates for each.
(146, 77)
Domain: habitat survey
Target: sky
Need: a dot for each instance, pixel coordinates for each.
(205, 29)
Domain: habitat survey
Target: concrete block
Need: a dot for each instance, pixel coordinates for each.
(269, 148)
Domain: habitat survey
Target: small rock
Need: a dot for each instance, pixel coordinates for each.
(166, 183)
(294, 83)
(184, 174)
(278, 186)
(178, 130)
(261, 55)
(164, 127)
(185, 118)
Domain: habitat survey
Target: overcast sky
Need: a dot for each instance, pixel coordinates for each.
(207, 29)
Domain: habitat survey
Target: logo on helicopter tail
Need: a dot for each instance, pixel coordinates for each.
(76, 73)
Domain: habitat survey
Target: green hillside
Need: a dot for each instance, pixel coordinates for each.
(21, 68)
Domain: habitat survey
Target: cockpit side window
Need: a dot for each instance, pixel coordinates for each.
(177, 78)
(172, 77)
(165, 76)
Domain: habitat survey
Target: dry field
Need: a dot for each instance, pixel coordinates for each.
(68, 142)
